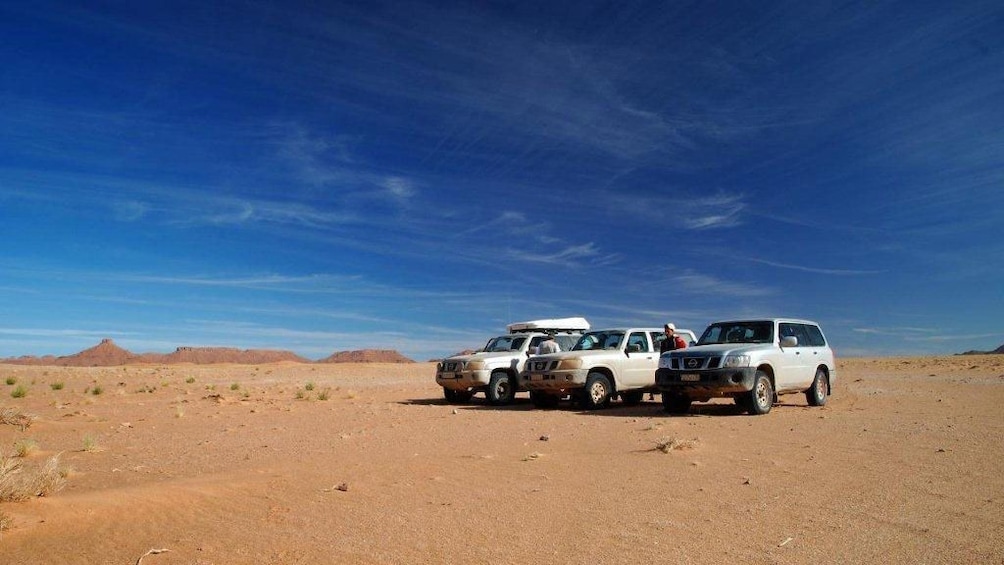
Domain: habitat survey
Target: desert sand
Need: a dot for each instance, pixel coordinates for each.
(234, 464)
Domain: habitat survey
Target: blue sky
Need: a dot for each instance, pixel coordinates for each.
(329, 176)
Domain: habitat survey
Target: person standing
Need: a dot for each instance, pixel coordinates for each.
(548, 345)
(672, 341)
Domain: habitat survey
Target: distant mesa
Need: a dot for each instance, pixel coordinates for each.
(108, 354)
(367, 356)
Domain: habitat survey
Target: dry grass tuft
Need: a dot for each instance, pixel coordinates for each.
(17, 484)
(667, 445)
(15, 417)
(25, 447)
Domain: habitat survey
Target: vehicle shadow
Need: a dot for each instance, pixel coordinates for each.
(655, 409)
(475, 403)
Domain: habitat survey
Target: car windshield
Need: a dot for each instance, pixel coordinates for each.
(504, 343)
(599, 340)
(738, 332)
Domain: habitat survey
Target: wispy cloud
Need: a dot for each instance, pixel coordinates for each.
(816, 270)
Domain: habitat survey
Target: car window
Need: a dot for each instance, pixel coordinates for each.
(638, 339)
(657, 338)
(797, 331)
(566, 342)
(738, 332)
(814, 337)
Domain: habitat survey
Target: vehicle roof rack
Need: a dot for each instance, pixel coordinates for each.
(552, 325)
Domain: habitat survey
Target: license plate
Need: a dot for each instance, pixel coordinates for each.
(690, 377)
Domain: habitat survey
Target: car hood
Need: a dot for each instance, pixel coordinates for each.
(484, 356)
(722, 349)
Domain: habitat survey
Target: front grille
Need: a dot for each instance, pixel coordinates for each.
(714, 362)
(692, 363)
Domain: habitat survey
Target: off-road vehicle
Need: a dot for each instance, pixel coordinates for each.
(752, 361)
(495, 368)
(602, 365)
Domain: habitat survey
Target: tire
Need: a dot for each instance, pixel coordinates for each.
(456, 396)
(820, 389)
(632, 397)
(597, 392)
(501, 389)
(675, 404)
(543, 399)
(760, 400)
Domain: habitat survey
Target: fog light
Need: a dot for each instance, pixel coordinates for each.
(737, 378)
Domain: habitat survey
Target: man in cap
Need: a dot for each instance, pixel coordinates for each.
(548, 345)
(672, 340)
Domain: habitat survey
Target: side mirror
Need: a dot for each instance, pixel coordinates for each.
(789, 341)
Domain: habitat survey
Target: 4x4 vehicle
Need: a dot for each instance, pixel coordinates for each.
(602, 365)
(495, 369)
(751, 361)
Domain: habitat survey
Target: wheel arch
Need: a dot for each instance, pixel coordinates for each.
(606, 372)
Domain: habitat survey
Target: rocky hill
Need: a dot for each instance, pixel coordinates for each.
(998, 351)
(108, 354)
(367, 356)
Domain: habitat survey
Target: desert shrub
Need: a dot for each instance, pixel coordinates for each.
(56, 385)
(14, 417)
(666, 445)
(324, 394)
(25, 447)
(97, 390)
(11, 380)
(90, 443)
(309, 386)
(17, 483)
(190, 380)
(235, 386)
(300, 395)
(20, 391)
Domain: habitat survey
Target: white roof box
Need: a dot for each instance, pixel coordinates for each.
(551, 325)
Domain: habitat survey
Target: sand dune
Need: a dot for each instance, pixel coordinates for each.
(233, 464)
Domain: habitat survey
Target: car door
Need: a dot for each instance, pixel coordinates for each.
(638, 366)
(816, 353)
(790, 374)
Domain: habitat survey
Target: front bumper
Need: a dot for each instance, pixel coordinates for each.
(554, 381)
(463, 380)
(708, 383)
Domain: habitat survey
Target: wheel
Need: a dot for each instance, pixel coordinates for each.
(543, 399)
(820, 389)
(501, 389)
(675, 404)
(456, 396)
(632, 397)
(761, 398)
(597, 391)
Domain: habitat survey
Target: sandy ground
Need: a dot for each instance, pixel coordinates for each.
(240, 464)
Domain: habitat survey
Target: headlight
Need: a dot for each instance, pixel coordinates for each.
(475, 365)
(566, 364)
(731, 361)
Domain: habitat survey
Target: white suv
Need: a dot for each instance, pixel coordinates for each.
(495, 369)
(603, 364)
(751, 361)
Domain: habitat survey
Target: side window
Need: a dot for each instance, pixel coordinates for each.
(814, 337)
(637, 342)
(657, 338)
(793, 330)
(566, 342)
(517, 344)
(534, 342)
